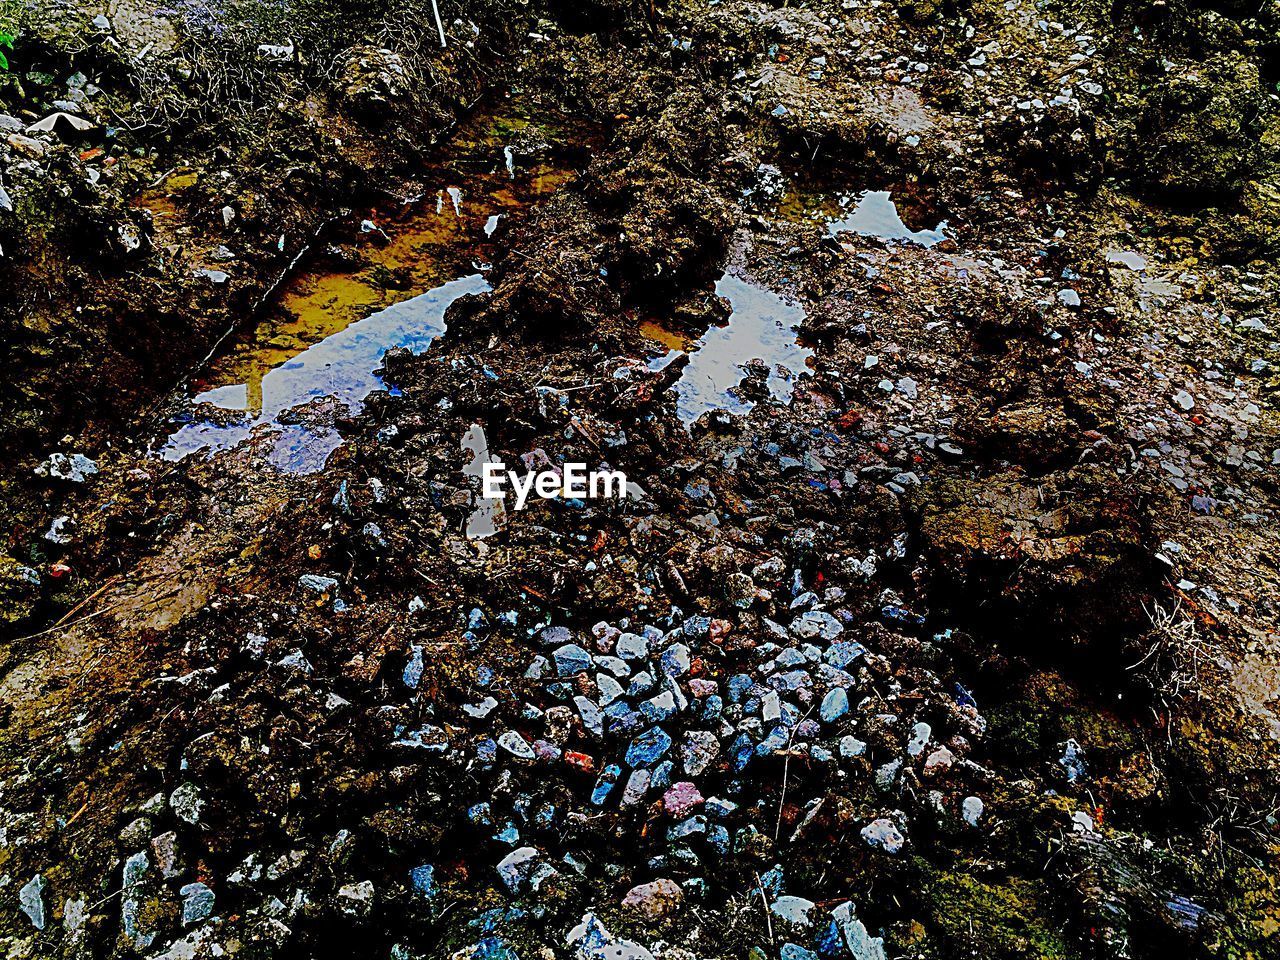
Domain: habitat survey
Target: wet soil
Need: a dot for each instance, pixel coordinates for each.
(936, 342)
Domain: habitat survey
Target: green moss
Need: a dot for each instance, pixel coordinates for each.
(1253, 930)
(1000, 920)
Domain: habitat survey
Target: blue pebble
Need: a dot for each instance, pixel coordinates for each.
(627, 723)
(648, 748)
(604, 786)
(661, 778)
(843, 652)
(776, 740)
(712, 707)
(834, 705)
(571, 660)
(424, 880)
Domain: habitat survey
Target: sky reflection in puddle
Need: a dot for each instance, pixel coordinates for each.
(762, 326)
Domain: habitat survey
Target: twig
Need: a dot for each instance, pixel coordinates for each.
(786, 768)
(764, 903)
(439, 24)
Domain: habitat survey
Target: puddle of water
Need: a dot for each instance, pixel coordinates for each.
(1127, 258)
(329, 331)
(761, 327)
(874, 214)
(487, 514)
(869, 213)
(340, 368)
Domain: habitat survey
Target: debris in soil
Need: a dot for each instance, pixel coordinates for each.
(935, 343)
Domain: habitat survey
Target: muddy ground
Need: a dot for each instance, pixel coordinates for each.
(954, 638)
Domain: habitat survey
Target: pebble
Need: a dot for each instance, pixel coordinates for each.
(834, 705)
(186, 803)
(516, 745)
(920, 735)
(883, 834)
(75, 467)
(681, 799)
(423, 879)
(697, 750)
(197, 903)
(654, 900)
(31, 901)
(971, 810)
(794, 910)
(571, 660)
(648, 748)
(816, 624)
(356, 899)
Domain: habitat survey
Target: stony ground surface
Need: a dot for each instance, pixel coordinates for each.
(966, 649)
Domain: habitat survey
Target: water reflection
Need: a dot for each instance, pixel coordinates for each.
(761, 327)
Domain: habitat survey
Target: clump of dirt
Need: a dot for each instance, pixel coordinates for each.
(948, 628)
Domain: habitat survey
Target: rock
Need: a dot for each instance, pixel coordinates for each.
(971, 810)
(571, 660)
(681, 799)
(675, 660)
(592, 941)
(165, 849)
(648, 748)
(816, 624)
(857, 940)
(317, 583)
(186, 803)
(920, 734)
(851, 746)
(31, 901)
(636, 788)
(134, 920)
(794, 910)
(516, 745)
(136, 834)
(938, 762)
(1072, 761)
(610, 689)
(424, 883)
(632, 646)
(834, 705)
(654, 900)
(524, 867)
(74, 468)
(883, 834)
(554, 636)
(413, 670)
(197, 903)
(356, 899)
(605, 783)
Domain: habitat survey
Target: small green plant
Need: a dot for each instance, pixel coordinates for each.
(6, 40)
